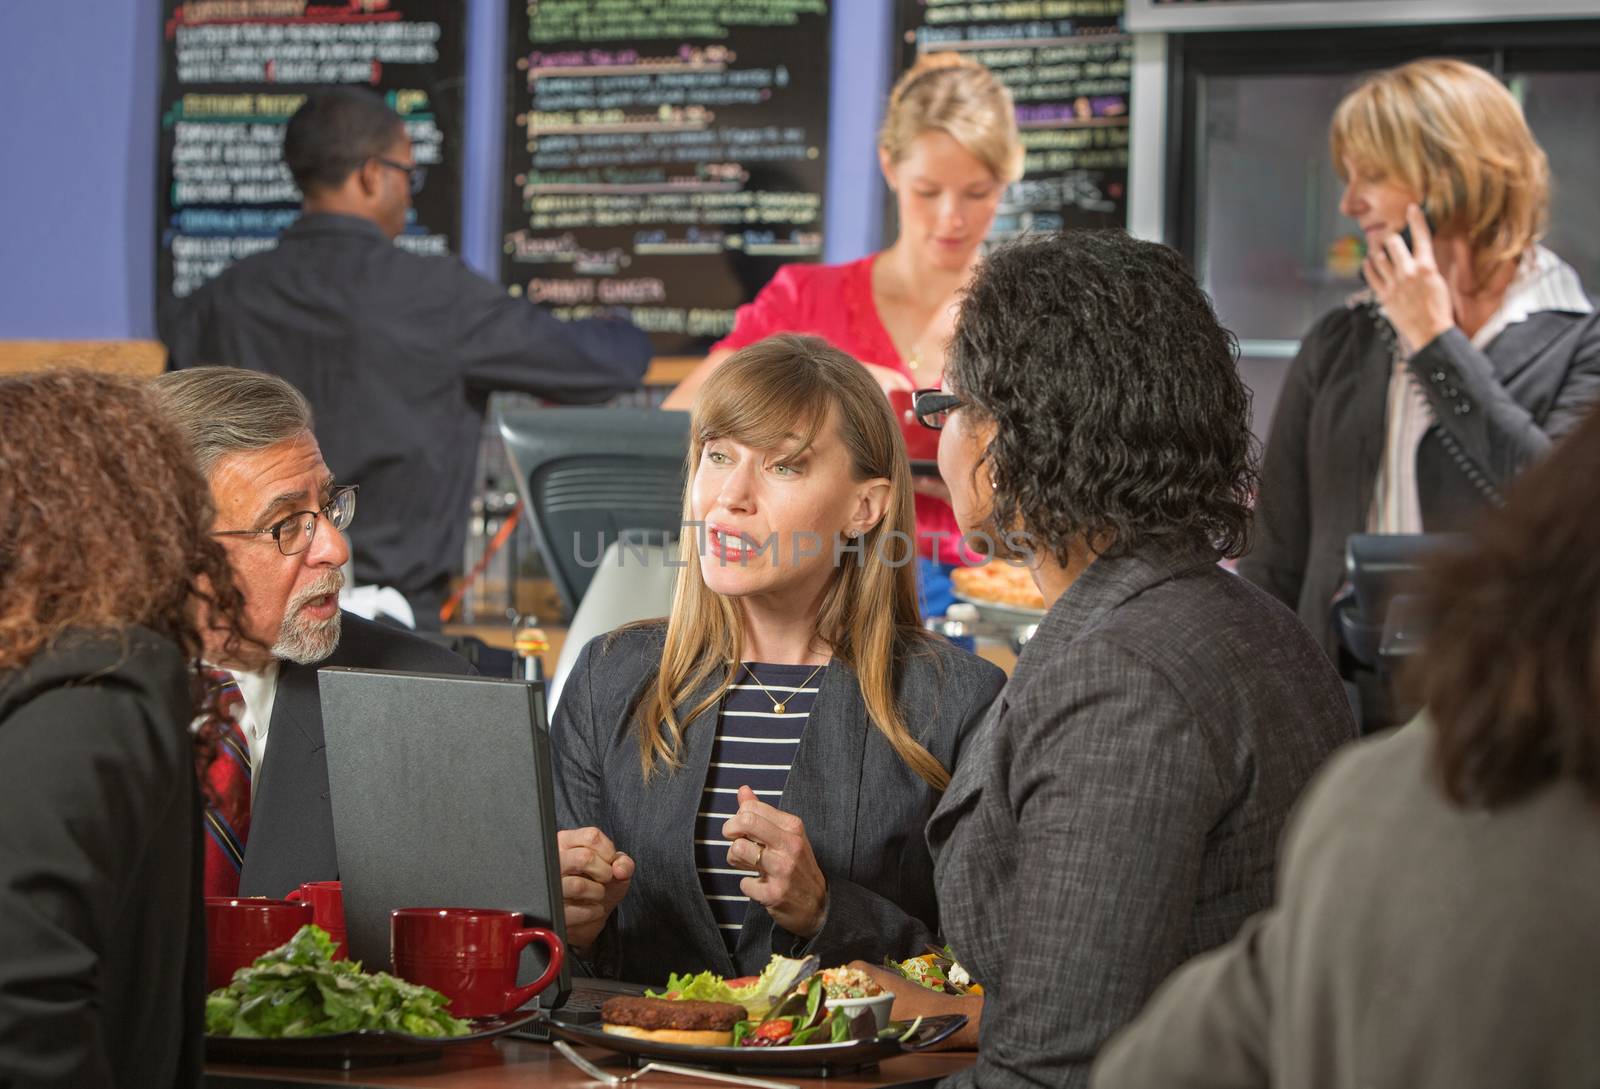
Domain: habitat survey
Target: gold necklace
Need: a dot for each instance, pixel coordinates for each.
(913, 360)
(778, 706)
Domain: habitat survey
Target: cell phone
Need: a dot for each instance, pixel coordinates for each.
(1405, 236)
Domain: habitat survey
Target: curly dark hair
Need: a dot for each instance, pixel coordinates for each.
(1119, 411)
(1510, 672)
(104, 524)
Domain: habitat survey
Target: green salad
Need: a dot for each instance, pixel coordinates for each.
(298, 989)
(757, 994)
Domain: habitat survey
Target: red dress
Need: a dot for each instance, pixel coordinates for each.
(835, 302)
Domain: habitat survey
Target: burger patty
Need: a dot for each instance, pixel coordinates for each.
(671, 1013)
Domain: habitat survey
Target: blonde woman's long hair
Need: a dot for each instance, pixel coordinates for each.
(1449, 131)
(758, 397)
(953, 94)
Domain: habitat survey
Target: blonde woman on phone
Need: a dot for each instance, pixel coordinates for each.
(1472, 350)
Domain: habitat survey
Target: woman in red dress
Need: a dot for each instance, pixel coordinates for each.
(948, 149)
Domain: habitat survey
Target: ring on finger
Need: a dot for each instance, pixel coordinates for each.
(761, 849)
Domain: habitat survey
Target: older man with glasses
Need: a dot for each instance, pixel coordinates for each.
(397, 351)
(281, 517)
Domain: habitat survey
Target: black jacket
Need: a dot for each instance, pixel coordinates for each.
(291, 818)
(1497, 410)
(863, 808)
(102, 939)
(397, 353)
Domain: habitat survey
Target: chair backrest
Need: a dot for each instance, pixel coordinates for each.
(589, 475)
(634, 582)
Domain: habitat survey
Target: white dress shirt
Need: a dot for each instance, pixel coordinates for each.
(258, 690)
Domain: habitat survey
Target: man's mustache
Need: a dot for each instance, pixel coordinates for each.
(331, 583)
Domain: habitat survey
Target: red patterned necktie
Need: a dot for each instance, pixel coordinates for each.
(228, 811)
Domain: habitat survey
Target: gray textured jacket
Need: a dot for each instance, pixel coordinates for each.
(1496, 410)
(1119, 810)
(1413, 944)
(864, 810)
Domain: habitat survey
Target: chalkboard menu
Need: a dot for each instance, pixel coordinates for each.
(666, 156)
(1069, 75)
(233, 71)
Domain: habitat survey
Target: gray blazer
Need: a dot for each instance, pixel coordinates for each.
(291, 818)
(1119, 811)
(1496, 410)
(864, 810)
(1413, 944)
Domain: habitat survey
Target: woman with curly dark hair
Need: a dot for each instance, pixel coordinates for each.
(1121, 809)
(1435, 917)
(106, 566)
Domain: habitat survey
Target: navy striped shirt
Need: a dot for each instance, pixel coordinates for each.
(755, 747)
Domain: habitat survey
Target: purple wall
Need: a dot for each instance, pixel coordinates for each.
(78, 174)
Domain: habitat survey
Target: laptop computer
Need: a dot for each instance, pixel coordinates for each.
(442, 796)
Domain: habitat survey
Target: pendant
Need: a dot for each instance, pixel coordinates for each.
(777, 708)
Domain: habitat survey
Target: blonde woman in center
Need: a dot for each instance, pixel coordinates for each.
(752, 775)
(948, 149)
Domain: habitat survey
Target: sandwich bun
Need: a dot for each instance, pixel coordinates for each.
(687, 1037)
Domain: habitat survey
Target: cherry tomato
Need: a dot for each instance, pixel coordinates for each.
(774, 1031)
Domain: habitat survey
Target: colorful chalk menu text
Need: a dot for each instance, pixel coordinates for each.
(233, 71)
(665, 158)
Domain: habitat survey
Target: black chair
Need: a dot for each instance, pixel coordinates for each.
(588, 476)
(1376, 617)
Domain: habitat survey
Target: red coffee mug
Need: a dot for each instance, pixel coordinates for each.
(240, 929)
(469, 955)
(327, 909)
(922, 443)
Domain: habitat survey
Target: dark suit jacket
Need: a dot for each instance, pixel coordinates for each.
(1414, 945)
(863, 809)
(1119, 811)
(291, 820)
(102, 939)
(1496, 410)
(397, 354)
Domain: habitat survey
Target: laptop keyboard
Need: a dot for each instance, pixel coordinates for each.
(582, 1006)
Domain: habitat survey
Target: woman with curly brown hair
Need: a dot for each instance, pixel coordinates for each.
(106, 565)
(1435, 916)
(1120, 809)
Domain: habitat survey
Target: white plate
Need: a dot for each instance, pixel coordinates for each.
(999, 612)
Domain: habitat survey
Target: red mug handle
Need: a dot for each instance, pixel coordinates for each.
(520, 940)
(296, 895)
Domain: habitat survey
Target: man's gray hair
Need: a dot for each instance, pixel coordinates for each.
(227, 410)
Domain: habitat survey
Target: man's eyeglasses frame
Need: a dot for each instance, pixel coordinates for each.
(339, 510)
(417, 176)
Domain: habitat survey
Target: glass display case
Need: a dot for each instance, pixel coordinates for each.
(1253, 193)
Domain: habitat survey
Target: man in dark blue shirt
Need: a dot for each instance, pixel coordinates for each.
(396, 352)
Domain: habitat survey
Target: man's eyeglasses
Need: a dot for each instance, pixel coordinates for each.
(932, 407)
(295, 533)
(417, 175)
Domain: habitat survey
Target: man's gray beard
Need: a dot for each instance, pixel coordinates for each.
(305, 642)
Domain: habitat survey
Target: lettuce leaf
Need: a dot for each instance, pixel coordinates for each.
(780, 976)
(298, 989)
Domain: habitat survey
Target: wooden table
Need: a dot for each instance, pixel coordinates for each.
(505, 1063)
